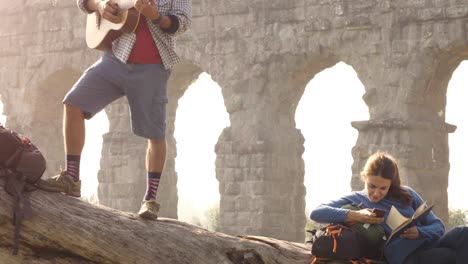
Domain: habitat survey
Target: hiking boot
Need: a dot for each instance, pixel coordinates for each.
(63, 183)
(149, 210)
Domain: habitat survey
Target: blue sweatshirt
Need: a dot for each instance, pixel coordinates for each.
(430, 227)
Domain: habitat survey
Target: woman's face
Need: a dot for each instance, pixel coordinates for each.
(377, 188)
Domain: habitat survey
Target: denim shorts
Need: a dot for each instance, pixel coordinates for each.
(144, 85)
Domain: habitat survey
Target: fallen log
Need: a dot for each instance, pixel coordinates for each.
(70, 230)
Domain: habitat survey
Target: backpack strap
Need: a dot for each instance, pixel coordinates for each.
(17, 217)
(15, 183)
(21, 211)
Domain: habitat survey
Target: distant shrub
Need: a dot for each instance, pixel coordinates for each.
(212, 218)
(456, 218)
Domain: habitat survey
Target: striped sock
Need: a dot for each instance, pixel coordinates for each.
(73, 166)
(152, 185)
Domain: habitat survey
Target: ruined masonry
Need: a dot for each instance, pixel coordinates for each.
(262, 53)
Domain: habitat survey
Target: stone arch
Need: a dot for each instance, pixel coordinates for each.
(259, 160)
(326, 127)
(184, 75)
(303, 70)
(433, 164)
(201, 116)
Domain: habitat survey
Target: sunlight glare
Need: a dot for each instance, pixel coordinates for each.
(329, 137)
(457, 95)
(2, 117)
(96, 127)
(200, 119)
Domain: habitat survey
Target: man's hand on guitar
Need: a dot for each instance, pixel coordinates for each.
(147, 8)
(109, 11)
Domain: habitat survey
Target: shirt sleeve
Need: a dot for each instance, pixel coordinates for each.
(82, 5)
(430, 227)
(331, 212)
(181, 17)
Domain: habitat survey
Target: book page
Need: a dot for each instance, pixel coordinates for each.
(395, 219)
(419, 210)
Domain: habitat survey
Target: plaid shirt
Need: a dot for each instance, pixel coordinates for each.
(181, 9)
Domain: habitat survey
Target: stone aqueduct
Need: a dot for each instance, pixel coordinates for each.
(262, 53)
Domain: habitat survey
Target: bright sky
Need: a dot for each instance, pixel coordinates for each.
(327, 156)
(201, 117)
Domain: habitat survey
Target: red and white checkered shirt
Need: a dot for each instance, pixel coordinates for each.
(182, 9)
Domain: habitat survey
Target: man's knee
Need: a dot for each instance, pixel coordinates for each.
(157, 142)
(453, 238)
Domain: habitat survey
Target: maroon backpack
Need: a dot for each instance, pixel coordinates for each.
(21, 166)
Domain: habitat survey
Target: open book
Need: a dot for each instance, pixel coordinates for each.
(397, 222)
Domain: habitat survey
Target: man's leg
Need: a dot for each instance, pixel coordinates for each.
(147, 98)
(68, 181)
(155, 159)
(457, 240)
(99, 85)
(437, 255)
(74, 139)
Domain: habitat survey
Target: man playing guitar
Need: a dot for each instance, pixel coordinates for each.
(136, 65)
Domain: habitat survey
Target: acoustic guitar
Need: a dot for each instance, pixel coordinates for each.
(101, 32)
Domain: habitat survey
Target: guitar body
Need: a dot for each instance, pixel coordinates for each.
(100, 32)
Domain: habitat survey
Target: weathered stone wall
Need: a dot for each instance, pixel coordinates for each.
(262, 53)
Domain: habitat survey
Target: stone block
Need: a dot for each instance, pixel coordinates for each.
(362, 7)
(231, 188)
(231, 161)
(409, 3)
(238, 175)
(244, 161)
(431, 14)
(258, 188)
(204, 23)
(399, 46)
(258, 173)
(225, 8)
(259, 160)
(457, 11)
(244, 203)
(318, 24)
(358, 22)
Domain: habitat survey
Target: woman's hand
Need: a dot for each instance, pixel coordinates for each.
(363, 216)
(411, 233)
(147, 8)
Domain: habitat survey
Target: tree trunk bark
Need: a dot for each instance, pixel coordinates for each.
(69, 230)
